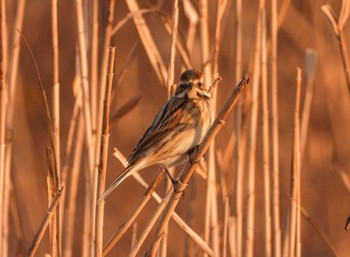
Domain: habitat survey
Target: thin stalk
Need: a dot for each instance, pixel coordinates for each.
(12, 76)
(204, 40)
(96, 182)
(70, 211)
(275, 142)
(206, 67)
(220, 15)
(104, 154)
(56, 238)
(345, 57)
(88, 227)
(190, 167)
(3, 108)
(250, 225)
(94, 62)
(266, 139)
(295, 170)
(239, 153)
(193, 17)
(224, 237)
(39, 234)
(171, 66)
(170, 86)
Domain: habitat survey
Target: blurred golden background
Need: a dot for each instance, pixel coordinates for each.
(138, 94)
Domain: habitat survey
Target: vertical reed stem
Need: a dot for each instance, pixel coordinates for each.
(294, 185)
(266, 138)
(275, 140)
(104, 154)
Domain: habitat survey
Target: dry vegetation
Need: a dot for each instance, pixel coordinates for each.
(274, 183)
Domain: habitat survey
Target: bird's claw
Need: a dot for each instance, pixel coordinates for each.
(191, 153)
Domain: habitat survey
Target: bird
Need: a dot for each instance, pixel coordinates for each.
(178, 128)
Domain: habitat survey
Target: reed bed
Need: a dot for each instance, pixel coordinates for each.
(81, 81)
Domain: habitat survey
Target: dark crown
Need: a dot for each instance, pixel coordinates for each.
(190, 74)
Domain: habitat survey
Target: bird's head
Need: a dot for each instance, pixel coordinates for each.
(191, 85)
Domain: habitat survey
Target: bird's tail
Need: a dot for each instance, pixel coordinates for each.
(126, 173)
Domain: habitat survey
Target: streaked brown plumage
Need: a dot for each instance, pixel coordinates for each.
(179, 127)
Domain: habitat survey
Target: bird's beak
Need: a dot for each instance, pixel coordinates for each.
(205, 94)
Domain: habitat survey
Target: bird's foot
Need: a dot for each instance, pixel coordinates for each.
(191, 154)
(176, 183)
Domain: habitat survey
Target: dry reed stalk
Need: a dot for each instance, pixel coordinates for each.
(102, 168)
(321, 234)
(3, 107)
(295, 171)
(102, 84)
(170, 89)
(239, 195)
(39, 234)
(250, 228)
(134, 234)
(310, 63)
(204, 40)
(171, 66)
(72, 128)
(337, 24)
(13, 57)
(148, 42)
(56, 123)
(276, 223)
(206, 68)
(190, 167)
(222, 7)
(196, 238)
(134, 213)
(266, 139)
(89, 207)
(17, 224)
(55, 87)
(54, 177)
(225, 229)
(96, 182)
(231, 236)
(283, 12)
(193, 18)
(51, 192)
(83, 67)
(94, 62)
(239, 155)
(70, 210)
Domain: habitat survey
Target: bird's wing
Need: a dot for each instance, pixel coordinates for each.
(166, 120)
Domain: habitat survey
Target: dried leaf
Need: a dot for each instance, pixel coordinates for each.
(344, 14)
(310, 63)
(331, 17)
(148, 42)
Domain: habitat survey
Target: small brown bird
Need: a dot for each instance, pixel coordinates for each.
(178, 128)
